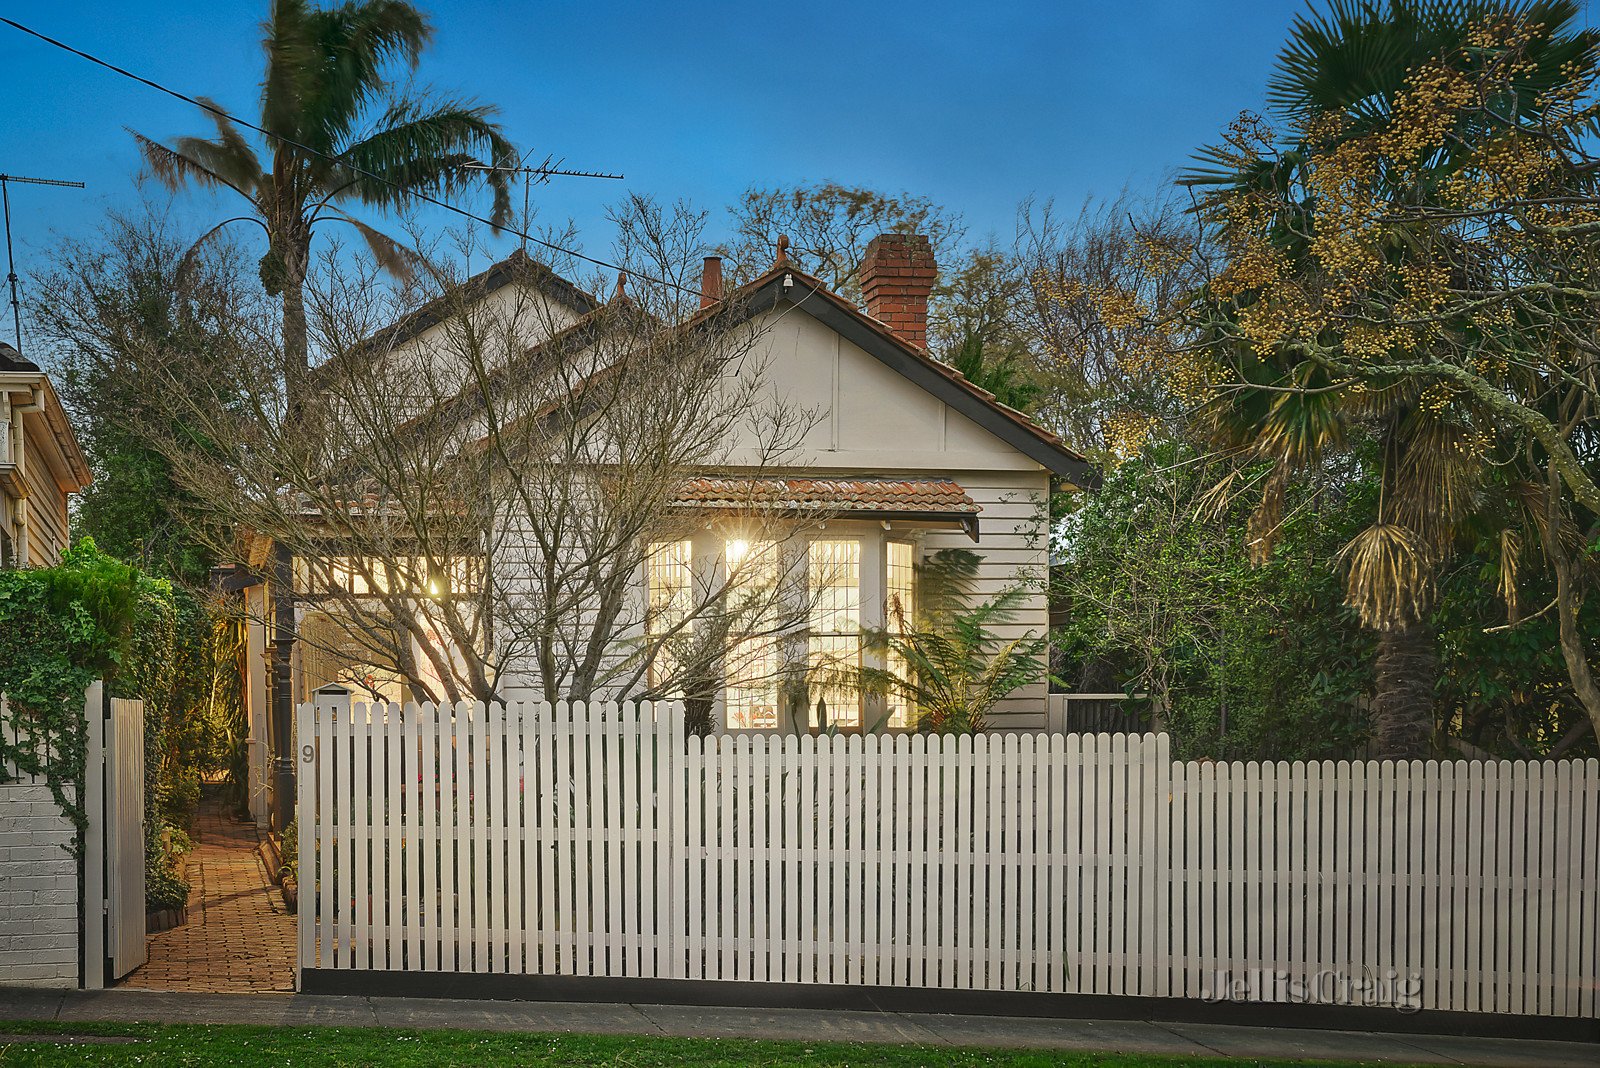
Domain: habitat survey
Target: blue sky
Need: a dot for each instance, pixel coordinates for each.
(973, 105)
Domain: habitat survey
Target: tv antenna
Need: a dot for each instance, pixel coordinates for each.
(539, 175)
(11, 260)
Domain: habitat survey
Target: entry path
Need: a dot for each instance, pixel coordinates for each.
(807, 1025)
(240, 937)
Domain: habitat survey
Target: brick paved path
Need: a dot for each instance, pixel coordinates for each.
(239, 937)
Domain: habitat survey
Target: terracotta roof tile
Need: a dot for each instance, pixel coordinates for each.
(840, 496)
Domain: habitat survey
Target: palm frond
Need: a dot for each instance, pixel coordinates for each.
(399, 260)
(1261, 530)
(1353, 58)
(230, 155)
(174, 170)
(423, 149)
(1510, 568)
(1389, 576)
(325, 68)
(191, 256)
(1436, 472)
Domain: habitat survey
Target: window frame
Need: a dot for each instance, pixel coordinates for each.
(765, 650)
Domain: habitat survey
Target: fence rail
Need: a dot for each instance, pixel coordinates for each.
(601, 841)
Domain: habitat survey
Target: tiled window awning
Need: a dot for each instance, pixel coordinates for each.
(863, 498)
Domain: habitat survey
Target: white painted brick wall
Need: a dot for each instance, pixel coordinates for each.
(38, 890)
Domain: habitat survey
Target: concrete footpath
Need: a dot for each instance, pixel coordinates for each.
(803, 1025)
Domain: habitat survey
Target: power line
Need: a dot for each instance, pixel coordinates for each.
(292, 143)
(11, 262)
(544, 171)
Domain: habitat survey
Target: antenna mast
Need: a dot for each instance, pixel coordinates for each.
(11, 260)
(543, 172)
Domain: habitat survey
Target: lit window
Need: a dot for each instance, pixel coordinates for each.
(671, 601)
(371, 576)
(835, 639)
(899, 617)
(751, 668)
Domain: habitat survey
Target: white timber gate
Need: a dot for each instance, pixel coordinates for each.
(530, 839)
(113, 856)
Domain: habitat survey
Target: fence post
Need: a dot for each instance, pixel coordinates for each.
(94, 839)
(668, 856)
(313, 727)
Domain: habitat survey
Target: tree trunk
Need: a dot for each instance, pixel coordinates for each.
(1403, 707)
(1574, 643)
(296, 349)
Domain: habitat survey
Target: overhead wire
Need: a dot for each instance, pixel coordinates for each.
(292, 143)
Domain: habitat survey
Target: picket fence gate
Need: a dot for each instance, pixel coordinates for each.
(54, 913)
(601, 841)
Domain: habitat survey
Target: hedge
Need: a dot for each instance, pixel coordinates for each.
(93, 617)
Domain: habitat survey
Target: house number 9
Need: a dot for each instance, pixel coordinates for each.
(308, 753)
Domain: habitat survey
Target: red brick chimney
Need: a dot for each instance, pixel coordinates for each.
(896, 278)
(711, 281)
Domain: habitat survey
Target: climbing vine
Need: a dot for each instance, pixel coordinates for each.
(93, 617)
(65, 626)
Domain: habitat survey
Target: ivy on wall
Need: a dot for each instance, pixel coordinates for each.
(94, 617)
(64, 627)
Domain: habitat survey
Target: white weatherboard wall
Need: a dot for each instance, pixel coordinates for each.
(869, 421)
(529, 839)
(38, 884)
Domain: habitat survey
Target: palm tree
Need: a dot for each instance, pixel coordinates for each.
(1354, 61)
(337, 139)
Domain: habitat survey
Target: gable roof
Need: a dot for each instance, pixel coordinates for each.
(786, 284)
(11, 360)
(517, 267)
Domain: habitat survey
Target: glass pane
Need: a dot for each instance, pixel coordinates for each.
(671, 594)
(835, 643)
(900, 617)
(750, 696)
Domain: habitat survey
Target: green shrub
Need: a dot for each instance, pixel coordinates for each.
(95, 617)
(64, 627)
(164, 888)
(289, 843)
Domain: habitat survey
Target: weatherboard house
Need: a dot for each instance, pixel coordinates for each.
(905, 455)
(41, 465)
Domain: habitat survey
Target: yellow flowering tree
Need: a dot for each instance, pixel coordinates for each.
(1407, 264)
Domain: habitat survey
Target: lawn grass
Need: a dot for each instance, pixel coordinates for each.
(246, 1047)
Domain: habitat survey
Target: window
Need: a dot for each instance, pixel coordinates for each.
(368, 576)
(752, 665)
(900, 615)
(835, 639)
(671, 592)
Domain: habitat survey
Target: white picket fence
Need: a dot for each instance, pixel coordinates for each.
(603, 842)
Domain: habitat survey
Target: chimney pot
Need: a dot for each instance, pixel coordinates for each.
(711, 281)
(897, 276)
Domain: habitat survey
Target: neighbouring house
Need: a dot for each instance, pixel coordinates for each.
(901, 457)
(41, 465)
